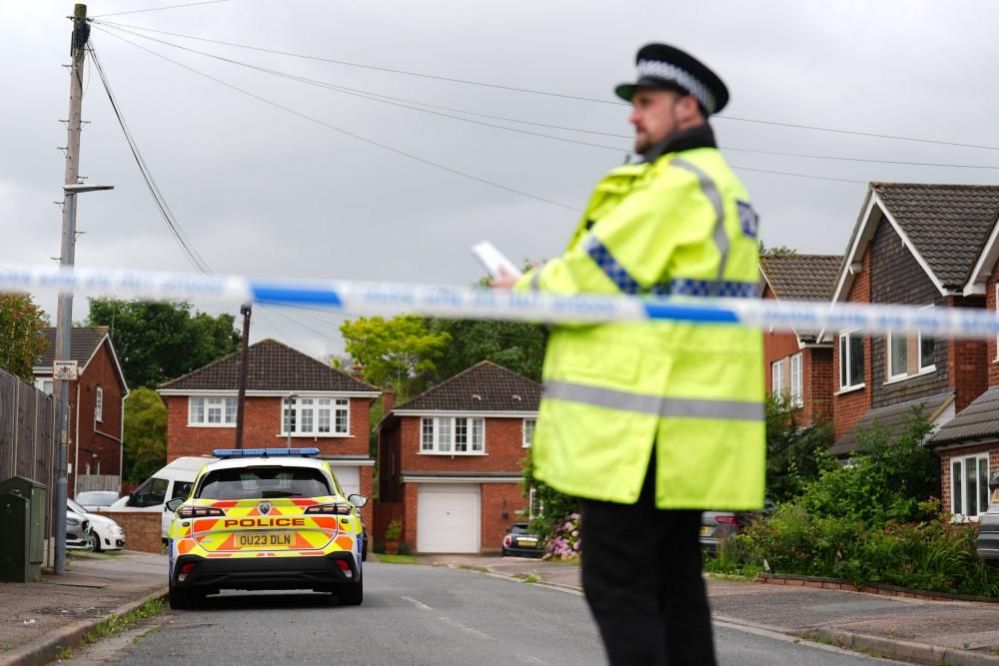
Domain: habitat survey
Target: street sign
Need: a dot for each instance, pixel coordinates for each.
(66, 371)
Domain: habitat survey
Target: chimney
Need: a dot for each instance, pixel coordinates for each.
(357, 371)
(388, 400)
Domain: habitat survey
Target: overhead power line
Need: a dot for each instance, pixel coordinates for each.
(407, 104)
(801, 126)
(159, 9)
(175, 229)
(340, 130)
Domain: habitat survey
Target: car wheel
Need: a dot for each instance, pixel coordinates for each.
(364, 551)
(185, 599)
(351, 594)
(506, 553)
(96, 538)
(93, 542)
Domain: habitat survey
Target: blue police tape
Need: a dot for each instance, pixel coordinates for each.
(361, 298)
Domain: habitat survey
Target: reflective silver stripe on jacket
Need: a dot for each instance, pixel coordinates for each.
(714, 196)
(695, 408)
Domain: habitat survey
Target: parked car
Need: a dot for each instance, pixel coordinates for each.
(174, 480)
(717, 526)
(520, 541)
(91, 500)
(105, 534)
(78, 534)
(988, 526)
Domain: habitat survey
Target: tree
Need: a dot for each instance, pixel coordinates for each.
(796, 455)
(145, 434)
(158, 341)
(516, 346)
(400, 351)
(21, 340)
(779, 251)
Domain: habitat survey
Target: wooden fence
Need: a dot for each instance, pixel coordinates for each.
(27, 438)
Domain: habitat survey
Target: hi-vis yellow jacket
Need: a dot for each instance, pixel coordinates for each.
(680, 225)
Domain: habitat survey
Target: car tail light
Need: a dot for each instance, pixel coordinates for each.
(345, 568)
(185, 569)
(338, 509)
(199, 512)
(507, 540)
(727, 520)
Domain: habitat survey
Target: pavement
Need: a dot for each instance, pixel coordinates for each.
(913, 630)
(40, 619)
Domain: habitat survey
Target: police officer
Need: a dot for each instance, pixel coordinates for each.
(651, 423)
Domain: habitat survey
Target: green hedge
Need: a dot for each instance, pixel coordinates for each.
(934, 556)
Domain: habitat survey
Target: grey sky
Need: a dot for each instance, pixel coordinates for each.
(260, 191)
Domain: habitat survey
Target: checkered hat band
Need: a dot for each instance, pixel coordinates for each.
(664, 70)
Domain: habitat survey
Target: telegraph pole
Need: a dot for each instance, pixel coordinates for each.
(244, 360)
(64, 312)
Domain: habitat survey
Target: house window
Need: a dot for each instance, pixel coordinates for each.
(777, 373)
(969, 486)
(927, 349)
(99, 405)
(529, 432)
(311, 417)
(44, 385)
(898, 356)
(797, 381)
(851, 360)
(536, 506)
(452, 435)
(211, 412)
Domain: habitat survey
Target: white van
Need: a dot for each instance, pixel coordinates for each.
(174, 480)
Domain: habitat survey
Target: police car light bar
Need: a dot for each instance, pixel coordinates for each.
(263, 453)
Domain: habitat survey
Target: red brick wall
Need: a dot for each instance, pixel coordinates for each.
(261, 425)
(96, 441)
(143, 529)
(504, 449)
(410, 495)
(776, 345)
(849, 408)
(945, 460)
(502, 505)
(968, 365)
(819, 387)
(990, 303)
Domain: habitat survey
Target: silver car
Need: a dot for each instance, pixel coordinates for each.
(988, 526)
(78, 533)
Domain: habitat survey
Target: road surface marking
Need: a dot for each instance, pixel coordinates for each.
(467, 630)
(418, 604)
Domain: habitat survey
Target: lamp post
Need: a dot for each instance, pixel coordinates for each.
(290, 405)
(64, 332)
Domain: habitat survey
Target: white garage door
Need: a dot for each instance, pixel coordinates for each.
(447, 519)
(349, 478)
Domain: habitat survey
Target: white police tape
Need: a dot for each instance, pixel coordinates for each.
(361, 298)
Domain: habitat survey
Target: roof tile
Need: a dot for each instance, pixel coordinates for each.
(485, 387)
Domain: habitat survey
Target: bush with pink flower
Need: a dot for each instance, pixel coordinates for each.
(564, 542)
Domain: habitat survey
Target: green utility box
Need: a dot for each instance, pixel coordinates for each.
(22, 529)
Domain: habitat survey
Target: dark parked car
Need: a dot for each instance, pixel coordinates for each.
(520, 541)
(988, 526)
(717, 526)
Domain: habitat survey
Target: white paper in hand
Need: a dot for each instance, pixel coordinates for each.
(493, 260)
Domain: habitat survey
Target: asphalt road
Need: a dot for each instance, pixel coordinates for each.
(417, 615)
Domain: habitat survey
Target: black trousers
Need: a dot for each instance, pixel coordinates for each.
(642, 579)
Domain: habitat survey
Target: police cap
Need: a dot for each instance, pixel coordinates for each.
(664, 66)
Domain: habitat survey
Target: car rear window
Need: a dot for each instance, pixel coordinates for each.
(519, 528)
(263, 482)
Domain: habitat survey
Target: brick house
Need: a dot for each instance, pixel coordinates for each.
(290, 396)
(969, 445)
(913, 244)
(452, 458)
(96, 408)
(799, 366)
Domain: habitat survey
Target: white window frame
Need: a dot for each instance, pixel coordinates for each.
(535, 507)
(777, 378)
(45, 385)
(227, 417)
(310, 408)
(797, 380)
(844, 362)
(527, 433)
(99, 405)
(959, 504)
(891, 348)
(438, 445)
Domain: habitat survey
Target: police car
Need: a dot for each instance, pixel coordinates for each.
(265, 519)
